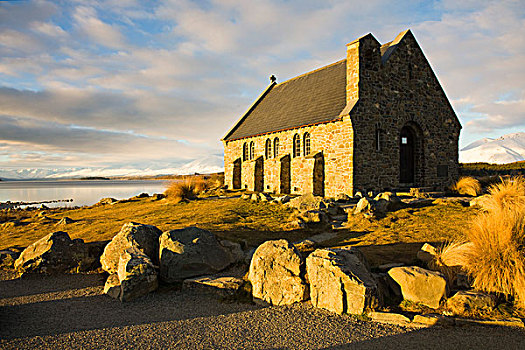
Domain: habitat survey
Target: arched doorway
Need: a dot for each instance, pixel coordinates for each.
(407, 155)
(236, 181)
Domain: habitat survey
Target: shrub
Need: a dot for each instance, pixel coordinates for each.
(467, 185)
(451, 258)
(508, 193)
(185, 189)
(496, 260)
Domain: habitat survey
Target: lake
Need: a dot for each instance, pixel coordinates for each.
(83, 192)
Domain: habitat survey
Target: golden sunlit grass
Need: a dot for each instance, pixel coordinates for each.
(467, 185)
(397, 237)
(451, 258)
(230, 218)
(496, 260)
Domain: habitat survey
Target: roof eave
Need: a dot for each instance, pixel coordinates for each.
(252, 107)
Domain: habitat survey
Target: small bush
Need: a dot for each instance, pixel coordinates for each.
(185, 189)
(451, 258)
(496, 260)
(467, 185)
(509, 193)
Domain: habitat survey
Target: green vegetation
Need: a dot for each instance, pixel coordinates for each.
(486, 169)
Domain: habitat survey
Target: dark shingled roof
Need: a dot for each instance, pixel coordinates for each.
(315, 97)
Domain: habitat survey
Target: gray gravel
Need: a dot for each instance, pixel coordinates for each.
(70, 312)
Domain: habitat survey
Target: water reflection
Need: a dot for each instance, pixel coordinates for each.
(85, 192)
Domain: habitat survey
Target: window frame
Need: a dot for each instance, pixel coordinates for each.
(296, 146)
(268, 149)
(245, 152)
(252, 150)
(276, 147)
(307, 144)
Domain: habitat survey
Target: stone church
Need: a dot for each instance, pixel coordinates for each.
(376, 120)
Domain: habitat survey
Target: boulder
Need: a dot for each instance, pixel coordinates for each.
(136, 274)
(235, 250)
(264, 197)
(363, 205)
(420, 285)
(283, 199)
(471, 301)
(427, 253)
(158, 196)
(191, 252)
(340, 281)
(255, 197)
(107, 201)
(314, 218)
(484, 202)
(222, 286)
(306, 202)
(143, 237)
(112, 286)
(277, 273)
(245, 196)
(56, 252)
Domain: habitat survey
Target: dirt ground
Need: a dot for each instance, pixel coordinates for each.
(71, 312)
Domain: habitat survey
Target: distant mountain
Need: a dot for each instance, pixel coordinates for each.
(505, 149)
(206, 165)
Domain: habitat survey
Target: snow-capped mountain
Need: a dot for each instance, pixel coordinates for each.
(206, 165)
(505, 149)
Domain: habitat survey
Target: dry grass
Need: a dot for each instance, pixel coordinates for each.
(468, 186)
(451, 258)
(186, 189)
(496, 260)
(228, 218)
(508, 193)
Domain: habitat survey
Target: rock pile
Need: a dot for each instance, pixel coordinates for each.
(141, 255)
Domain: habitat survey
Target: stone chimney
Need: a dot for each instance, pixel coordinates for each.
(363, 61)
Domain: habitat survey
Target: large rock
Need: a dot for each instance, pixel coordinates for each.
(276, 273)
(191, 252)
(143, 237)
(56, 252)
(136, 274)
(306, 202)
(471, 301)
(420, 285)
(340, 281)
(363, 205)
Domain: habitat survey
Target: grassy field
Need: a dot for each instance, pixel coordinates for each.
(396, 237)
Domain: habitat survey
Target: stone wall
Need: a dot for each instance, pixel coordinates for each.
(403, 91)
(331, 141)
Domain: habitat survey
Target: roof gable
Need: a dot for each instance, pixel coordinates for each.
(315, 97)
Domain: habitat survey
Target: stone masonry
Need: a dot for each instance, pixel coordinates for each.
(396, 127)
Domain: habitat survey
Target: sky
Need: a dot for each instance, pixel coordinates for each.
(113, 84)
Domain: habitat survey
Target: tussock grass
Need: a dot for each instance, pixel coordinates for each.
(467, 185)
(496, 259)
(509, 193)
(451, 258)
(186, 189)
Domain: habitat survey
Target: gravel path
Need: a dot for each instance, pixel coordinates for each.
(70, 312)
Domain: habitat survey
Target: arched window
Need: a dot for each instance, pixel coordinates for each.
(296, 145)
(268, 149)
(275, 147)
(245, 151)
(306, 143)
(252, 150)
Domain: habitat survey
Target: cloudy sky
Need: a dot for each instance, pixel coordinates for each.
(124, 83)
